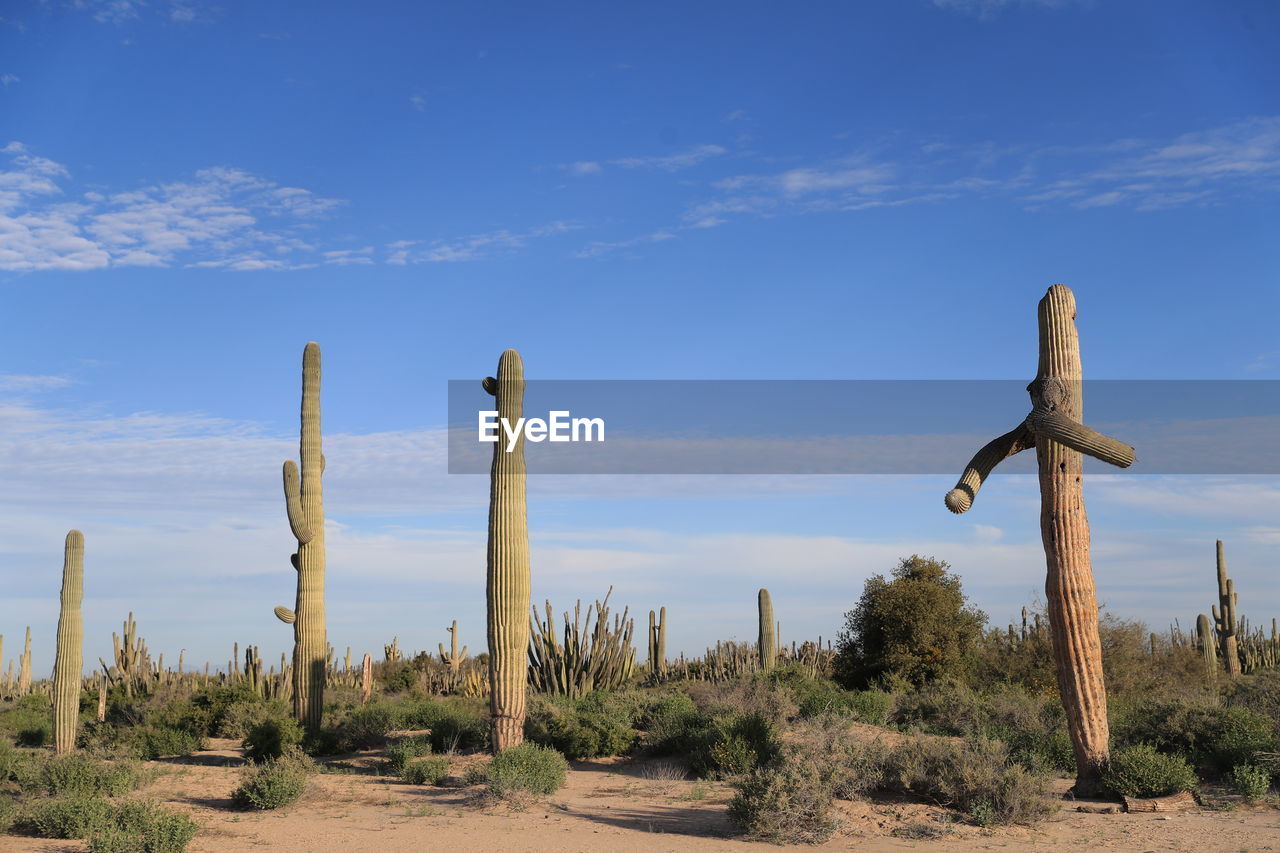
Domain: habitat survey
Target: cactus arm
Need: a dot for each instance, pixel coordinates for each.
(293, 504)
(994, 452)
(285, 615)
(1080, 438)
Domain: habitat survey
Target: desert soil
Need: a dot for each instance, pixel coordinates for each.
(612, 805)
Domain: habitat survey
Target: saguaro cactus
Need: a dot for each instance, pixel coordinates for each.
(507, 578)
(658, 643)
(24, 666)
(452, 658)
(1225, 617)
(305, 508)
(1054, 429)
(768, 641)
(1208, 648)
(68, 662)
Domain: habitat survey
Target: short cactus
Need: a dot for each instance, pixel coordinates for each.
(507, 576)
(304, 505)
(768, 641)
(68, 666)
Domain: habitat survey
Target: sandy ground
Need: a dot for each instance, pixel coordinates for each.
(610, 805)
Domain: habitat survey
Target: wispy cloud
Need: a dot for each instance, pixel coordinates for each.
(598, 248)
(418, 102)
(220, 217)
(7, 79)
(471, 248)
(989, 8)
(12, 382)
(119, 12)
(676, 162)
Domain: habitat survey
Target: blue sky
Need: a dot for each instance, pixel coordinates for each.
(190, 191)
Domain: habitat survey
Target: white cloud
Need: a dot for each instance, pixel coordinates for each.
(672, 162)
(222, 217)
(6, 79)
(598, 248)
(584, 167)
(27, 382)
(418, 102)
(473, 247)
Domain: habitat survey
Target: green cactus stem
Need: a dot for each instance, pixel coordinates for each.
(1208, 648)
(304, 506)
(68, 666)
(1225, 617)
(507, 584)
(768, 640)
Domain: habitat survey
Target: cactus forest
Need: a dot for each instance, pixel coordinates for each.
(639, 426)
(915, 701)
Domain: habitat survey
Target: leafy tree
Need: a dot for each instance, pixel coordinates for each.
(916, 627)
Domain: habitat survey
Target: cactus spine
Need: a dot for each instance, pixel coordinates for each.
(68, 663)
(1224, 614)
(768, 640)
(507, 575)
(1208, 648)
(305, 508)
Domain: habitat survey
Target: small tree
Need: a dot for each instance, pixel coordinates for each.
(917, 626)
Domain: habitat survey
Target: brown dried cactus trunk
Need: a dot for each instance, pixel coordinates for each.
(1064, 528)
(507, 583)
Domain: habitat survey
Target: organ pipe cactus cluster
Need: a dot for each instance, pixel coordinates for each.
(767, 644)
(304, 505)
(391, 651)
(68, 666)
(599, 657)
(1055, 430)
(1225, 617)
(507, 585)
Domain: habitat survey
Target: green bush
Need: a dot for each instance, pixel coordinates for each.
(274, 783)
(669, 724)
(79, 774)
(152, 742)
(426, 771)
(1141, 771)
(589, 727)
(368, 726)
(272, 738)
(526, 769)
(35, 733)
(789, 803)
(238, 718)
(8, 813)
(144, 826)
(1213, 738)
(402, 752)
(974, 776)
(455, 723)
(215, 703)
(1250, 781)
(727, 746)
(70, 816)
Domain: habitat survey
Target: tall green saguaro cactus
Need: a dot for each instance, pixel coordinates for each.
(305, 507)
(507, 577)
(68, 662)
(768, 641)
(1055, 430)
(1225, 617)
(24, 666)
(658, 643)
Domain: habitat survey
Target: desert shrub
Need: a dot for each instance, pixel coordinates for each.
(759, 695)
(272, 738)
(322, 741)
(1213, 738)
(29, 720)
(426, 771)
(848, 766)
(785, 803)
(1142, 771)
(455, 723)
(974, 776)
(275, 782)
(403, 751)
(36, 732)
(725, 746)
(918, 627)
(236, 719)
(79, 774)
(581, 728)
(144, 826)
(1259, 692)
(152, 742)
(526, 769)
(1250, 781)
(70, 816)
(368, 726)
(476, 774)
(184, 714)
(8, 813)
(667, 722)
(216, 701)
(872, 706)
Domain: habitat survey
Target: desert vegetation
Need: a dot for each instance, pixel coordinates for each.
(918, 700)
